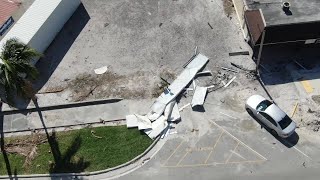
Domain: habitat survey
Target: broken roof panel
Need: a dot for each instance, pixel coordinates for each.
(199, 96)
(177, 86)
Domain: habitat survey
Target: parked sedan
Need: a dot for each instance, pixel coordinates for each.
(271, 116)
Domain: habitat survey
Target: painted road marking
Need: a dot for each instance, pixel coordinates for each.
(188, 151)
(214, 146)
(238, 140)
(232, 153)
(307, 86)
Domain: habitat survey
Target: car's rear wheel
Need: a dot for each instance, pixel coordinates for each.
(249, 111)
(274, 133)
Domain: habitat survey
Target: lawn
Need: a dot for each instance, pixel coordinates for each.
(84, 150)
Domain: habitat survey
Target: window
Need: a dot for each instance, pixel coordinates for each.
(285, 122)
(269, 118)
(263, 105)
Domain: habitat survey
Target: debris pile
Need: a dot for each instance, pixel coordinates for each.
(26, 147)
(165, 109)
(315, 125)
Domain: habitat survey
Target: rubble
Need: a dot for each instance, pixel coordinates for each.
(199, 96)
(165, 111)
(165, 108)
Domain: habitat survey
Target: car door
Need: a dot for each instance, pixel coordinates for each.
(269, 121)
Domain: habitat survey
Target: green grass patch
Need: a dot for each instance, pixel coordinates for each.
(78, 151)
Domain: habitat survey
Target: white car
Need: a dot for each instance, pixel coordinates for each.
(271, 116)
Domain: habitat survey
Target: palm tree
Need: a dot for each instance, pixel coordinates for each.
(16, 70)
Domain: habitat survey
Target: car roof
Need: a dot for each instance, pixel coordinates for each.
(275, 112)
(254, 100)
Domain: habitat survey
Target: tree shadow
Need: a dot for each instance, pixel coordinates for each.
(63, 163)
(2, 146)
(289, 142)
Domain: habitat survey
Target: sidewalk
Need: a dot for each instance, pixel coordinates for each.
(74, 115)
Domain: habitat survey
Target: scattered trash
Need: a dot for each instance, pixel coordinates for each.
(199, 96)
(314, 125)
(52, 90)
(173, 132)
(304, 164)
(184, 107)
(241, 67)
(210, 26)
(239, 53)
(93, 134)
(194, 130)
(228, 69)
(230, 81)
(160, 24)
(204, 72)
(101, 70)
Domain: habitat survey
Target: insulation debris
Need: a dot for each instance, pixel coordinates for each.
(174, 114)
(143, 122)
(157, 127)
(230, 81)
(199, 96)
(101, 70)
(177, 86)
(132, 121)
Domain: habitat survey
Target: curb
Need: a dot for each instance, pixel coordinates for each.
(61, 106)
(86, 173)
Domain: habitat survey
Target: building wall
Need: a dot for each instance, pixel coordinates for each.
(45, 35)
(240, 8)
(39, 25)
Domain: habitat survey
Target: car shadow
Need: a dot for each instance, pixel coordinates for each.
(289, 142)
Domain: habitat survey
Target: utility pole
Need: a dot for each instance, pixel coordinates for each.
(260, 51)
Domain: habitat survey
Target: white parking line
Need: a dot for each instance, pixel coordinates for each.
(301, 152)
(238, 140)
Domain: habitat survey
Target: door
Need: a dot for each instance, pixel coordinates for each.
(269, 121)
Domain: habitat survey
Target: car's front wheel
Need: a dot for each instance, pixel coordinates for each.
(274, 133)
(249, 111)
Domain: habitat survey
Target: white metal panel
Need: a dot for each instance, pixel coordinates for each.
(41, 22)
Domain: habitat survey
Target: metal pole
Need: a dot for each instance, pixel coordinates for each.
(260, 50)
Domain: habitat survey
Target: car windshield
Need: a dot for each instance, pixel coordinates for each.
(263, 105)
(285, 122)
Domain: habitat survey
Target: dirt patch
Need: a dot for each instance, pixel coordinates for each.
(25, 147)
(248, 125)
(316, 99)
(232, 102)
(93, 86)
(165, 79)
(228, 7)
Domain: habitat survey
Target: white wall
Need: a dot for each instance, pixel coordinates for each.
(39, 25)
(48, 31)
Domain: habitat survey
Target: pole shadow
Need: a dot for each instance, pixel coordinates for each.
(63, 163)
